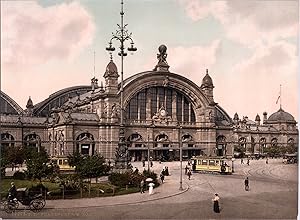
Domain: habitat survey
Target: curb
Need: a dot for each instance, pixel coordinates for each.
(128, 203)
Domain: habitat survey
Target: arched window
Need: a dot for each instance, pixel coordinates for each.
(7, 140)
(187, 140)
(150, 100)
(162, 140)
(274, 142)
(135, 140)
(221, 145)
(262, 145)
(243, 143)
(291, 146)
(85, 143)
(32, 140)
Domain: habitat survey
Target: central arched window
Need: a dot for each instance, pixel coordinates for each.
(147, 102)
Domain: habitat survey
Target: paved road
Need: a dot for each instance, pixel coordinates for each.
(272, 195)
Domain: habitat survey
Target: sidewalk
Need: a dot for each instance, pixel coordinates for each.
(169, 188)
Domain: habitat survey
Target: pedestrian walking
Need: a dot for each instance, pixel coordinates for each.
(246, 184)
(189, 174)
(267, 161)
(216, 206)
(142, 186)
(167, 171)
(186, 169)
(151, 190)
(151, 163)
(248, 162)
(162, 177)
(242, 161)
(143, 161)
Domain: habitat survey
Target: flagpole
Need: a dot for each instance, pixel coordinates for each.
(280, 96)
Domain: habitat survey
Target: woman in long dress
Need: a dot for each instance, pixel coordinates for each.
(151, 185)
(216, 203)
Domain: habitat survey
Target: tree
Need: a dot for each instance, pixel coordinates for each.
(38, 166)
(15, 155)
(88, 166)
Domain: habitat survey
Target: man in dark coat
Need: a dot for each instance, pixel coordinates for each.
(246, 184)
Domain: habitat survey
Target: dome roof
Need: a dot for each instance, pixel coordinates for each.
(281, 116)
(207, 81)
(111, 70)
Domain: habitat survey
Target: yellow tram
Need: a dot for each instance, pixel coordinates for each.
(220, 165)
(62, 163)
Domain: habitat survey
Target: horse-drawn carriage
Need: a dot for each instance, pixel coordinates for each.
(34, 202)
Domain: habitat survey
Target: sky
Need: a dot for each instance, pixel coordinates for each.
(249, 47)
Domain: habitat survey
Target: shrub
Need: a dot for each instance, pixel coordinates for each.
(19, 175)
(151, 175)
(33, 190)
(127, 178)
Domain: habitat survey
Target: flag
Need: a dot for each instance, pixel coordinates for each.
(278, 99)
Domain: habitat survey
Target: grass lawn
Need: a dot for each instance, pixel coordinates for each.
(5, 184)
(97, 189)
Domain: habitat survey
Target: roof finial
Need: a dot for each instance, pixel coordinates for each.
(111, 57)
(206, 71)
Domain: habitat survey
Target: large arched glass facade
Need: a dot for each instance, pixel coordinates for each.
(147, 102)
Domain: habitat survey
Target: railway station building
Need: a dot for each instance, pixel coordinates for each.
(163, 111)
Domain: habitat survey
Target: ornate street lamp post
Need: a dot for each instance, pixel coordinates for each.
(122, 35)
(180, 155)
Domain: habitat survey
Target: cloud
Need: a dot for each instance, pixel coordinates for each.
(249, 22)
(263, 27)
(258, 79)
(193, 60)
(189, 61)
(40, 34)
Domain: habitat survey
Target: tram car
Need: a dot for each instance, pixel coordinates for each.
(63, 164)
(211, 165)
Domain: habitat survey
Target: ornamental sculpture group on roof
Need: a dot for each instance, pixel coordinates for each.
(162, 65)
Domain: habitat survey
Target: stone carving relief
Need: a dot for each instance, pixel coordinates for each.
(115, 110)
(161, 116)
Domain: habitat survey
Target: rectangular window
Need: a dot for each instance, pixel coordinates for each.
(211, 163)
(193, 118)
(133, 108)
(169, 102)
(186, 112)
(161, 97)
(153, 95)
(204, 162)
(142, 104)
(179, 107)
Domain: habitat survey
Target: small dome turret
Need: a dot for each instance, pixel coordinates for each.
(236, 117)
(29, 103)
(257, 119)
(207, 81)
(111, 70)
